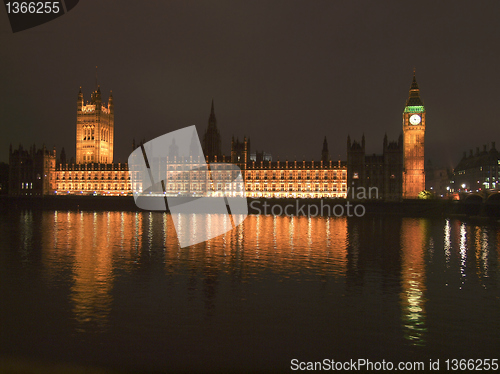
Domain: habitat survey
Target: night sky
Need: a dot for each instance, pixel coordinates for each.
(285, 73)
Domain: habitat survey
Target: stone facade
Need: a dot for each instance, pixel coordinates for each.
(477, 171)
(382, 174)
(398, 172)
(31, 171)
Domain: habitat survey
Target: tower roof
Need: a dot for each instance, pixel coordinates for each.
(414, 96)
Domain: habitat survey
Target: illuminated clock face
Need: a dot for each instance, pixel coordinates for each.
(415, 119)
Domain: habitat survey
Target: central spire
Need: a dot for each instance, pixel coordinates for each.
(212, 121)
(211, 140)
(325, 156)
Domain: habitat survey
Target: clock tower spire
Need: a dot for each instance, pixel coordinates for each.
(414, 136)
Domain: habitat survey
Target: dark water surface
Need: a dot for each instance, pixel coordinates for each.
(114, 290)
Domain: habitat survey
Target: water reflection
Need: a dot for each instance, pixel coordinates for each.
(447, 242)
(263, 247)
(86, 245)
(378, 276)
(482, 245)
(92, 269)
(414, 243)
(463, 252)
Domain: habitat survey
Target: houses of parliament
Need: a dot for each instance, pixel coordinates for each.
(398, 173)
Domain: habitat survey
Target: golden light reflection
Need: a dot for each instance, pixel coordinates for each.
(414, 234)
(92, 269)
(150, 230)
(484, 253)
(90, 242)
(283, 244)
(89, 247)
(137, 230)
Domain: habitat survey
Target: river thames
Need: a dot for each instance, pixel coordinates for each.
(114, 290)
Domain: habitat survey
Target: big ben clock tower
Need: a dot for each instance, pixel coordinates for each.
(414, 134)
